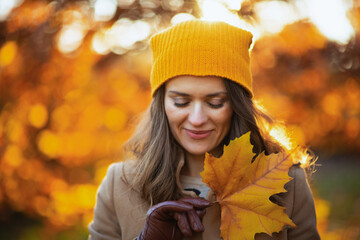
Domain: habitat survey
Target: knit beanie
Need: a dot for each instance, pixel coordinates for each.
(201, 48)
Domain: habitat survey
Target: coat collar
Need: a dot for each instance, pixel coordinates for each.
(210, 196)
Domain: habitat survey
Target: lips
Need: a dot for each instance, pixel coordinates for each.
(197, 135)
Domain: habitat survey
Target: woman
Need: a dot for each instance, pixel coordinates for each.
(202, 98)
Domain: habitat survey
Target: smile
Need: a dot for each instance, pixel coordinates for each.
(197, 135)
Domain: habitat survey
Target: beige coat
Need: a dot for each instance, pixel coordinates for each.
(120, 213)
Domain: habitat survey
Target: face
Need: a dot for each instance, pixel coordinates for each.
(198, 111)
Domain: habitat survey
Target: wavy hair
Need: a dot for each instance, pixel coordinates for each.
(157, 151)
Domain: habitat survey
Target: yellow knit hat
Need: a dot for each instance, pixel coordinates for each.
(201, 48)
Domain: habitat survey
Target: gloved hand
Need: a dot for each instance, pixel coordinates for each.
(174, 219)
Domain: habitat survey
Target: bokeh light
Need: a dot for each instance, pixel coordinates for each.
(274, 15)
(217, 11)
(181, 17)
(71, 37)
(7, 53)
(330, 16)
(38, 115)
(121, 36)
(7, 6)
(104, 10)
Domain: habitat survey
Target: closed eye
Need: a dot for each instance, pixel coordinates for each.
(216, 105)
(181, 104)
(180, 101)
(216, 102)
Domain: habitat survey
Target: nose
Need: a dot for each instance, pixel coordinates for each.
(197, 115)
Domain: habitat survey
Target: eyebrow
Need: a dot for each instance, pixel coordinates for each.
(208, 95)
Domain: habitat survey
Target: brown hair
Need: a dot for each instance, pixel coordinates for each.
(157, 151)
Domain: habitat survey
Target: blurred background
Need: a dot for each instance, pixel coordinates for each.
(74, 77)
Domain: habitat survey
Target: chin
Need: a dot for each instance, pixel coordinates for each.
(197, 151)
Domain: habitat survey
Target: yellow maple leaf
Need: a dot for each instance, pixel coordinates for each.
(243, 189)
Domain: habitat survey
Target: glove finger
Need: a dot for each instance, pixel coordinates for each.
(166, 209)
(197, 202)
(183, 224)
(195, 221)
(201, 213)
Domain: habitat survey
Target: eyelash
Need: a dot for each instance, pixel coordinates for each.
(216, 105)
(211, 105)
(181, 104)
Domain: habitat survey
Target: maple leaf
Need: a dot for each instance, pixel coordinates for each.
(243, 189)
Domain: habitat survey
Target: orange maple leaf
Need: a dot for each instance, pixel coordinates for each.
(243, 189)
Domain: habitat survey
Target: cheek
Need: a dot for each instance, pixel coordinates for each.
(173, 114)
(169, 112)
(224, 118)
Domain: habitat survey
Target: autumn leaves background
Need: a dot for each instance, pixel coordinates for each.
(66, 107)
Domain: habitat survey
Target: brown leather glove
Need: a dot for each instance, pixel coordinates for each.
(174, 219)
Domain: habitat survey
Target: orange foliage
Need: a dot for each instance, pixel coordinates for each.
(294, 43)
(62, 123)
(312, 91)
(30, 15)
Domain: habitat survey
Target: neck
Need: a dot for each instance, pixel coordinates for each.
(194, 165)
